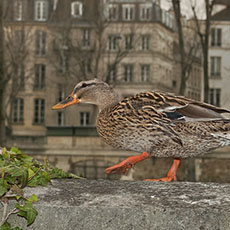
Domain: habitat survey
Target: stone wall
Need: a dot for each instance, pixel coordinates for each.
(118, 205)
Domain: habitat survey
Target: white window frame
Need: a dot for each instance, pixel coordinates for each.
(60, 118)
(128, 72)
(216, 37)
(39, 76)
(215, 66)
(86, 38)
(18, 110)
(112, 12)
(63, 63)
(145, 40)
(113, 42)
(128, 12)
(145, 12)
(129, 41)
(18, 10)
(40, 42)
(112, 73)
(39, 111)
(61, 93)
(77, 9)
(41, 10)
(84, 118)
(145, 72)
(215, 96)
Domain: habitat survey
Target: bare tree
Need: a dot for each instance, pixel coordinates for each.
(188, 47)
(2, 80)
(203, 31)
(87, 48)
(16, 42)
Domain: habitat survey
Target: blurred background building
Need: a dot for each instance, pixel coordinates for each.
(50, 45)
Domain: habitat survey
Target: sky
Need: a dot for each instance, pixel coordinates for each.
(186, 7)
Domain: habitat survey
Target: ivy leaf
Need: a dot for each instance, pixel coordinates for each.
(7, 226)
(3, 186)
(27, 211)
(15, 150)
(5, 154)
(33, 198)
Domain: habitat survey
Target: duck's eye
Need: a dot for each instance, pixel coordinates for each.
(83, 85)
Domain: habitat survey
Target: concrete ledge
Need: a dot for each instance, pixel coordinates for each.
(102, 204)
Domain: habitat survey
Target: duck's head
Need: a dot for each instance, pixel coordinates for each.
(94, 92)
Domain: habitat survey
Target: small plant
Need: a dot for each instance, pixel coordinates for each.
(18, 171)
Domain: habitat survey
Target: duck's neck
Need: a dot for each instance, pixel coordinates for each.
(106, 101)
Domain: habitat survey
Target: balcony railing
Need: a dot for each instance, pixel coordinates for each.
(80, 131)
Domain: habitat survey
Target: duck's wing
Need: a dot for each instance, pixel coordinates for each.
(177, 107)
(158, 112)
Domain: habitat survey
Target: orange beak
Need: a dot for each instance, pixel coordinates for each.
(70, 100)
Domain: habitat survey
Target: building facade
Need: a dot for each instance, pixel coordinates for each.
(219, 56)
(51, 45)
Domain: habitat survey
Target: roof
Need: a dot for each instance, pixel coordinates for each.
(223, 15)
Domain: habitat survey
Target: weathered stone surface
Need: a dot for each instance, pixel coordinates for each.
(101, 204)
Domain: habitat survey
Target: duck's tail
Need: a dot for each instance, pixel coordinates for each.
(221, 131)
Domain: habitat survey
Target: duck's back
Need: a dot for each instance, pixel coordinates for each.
(164, 125)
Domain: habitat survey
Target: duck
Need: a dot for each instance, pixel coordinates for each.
(154, 123)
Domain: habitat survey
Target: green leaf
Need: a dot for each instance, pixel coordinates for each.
(27, 211)
(31, 173)
(5, 154)
(3, 186)
(33, 198)
(15, 150)
(5, 226)
(24, 178)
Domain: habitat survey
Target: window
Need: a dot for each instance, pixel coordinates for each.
(41, 10)
(18, 110)
(174, 83)
(128, 12)
(60, 118)
(113, 42)
(128, 42)
(40, 43)
(145, 73)
(111, 73)
(145, 11)
(61, 93)
(39, 111)
(76, 9)
(216, 35)
(20, 72)
(84, 118)
(63, 63)
(145, 42)
(128, 73)
(215, 66)
(112, 12)
(18, 42)
(40, 72)
(214, 96)
(18, 10)
(86, 66)
(86, 37)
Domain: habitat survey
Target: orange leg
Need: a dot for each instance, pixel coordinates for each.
(171, 173)
(127, 163)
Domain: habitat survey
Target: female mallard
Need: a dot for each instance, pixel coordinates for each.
(154, 123)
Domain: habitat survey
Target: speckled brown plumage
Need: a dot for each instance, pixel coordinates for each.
(145, 122)
(159, 123)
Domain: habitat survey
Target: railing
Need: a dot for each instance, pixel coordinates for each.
(83, 131)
